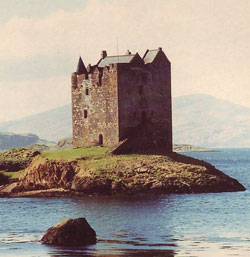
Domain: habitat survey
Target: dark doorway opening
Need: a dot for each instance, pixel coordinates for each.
(100, 139)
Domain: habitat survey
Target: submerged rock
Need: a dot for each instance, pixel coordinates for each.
(72, 232)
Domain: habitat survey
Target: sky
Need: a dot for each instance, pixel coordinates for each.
(207, 42)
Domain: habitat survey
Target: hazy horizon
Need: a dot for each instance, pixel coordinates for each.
(173, 99)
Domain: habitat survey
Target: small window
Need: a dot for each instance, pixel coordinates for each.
(134, 114)
(141, 90)
(85, 114)
(100, 80)
(100, 139)
(87, 91)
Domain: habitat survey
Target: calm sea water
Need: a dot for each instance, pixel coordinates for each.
(159, 226)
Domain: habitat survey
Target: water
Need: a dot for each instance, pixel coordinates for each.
(159, 226)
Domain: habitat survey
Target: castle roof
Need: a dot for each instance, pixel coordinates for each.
(150, 55)
(116, 59)
(81, 67)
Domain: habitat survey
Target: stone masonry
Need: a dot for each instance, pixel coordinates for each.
(123, 102)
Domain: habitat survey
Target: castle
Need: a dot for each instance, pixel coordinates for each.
(124, 102)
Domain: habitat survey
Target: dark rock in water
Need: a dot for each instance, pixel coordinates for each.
(72, 232)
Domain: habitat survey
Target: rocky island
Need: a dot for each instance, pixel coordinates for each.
(96, 171)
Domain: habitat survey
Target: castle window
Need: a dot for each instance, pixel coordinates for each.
(100, 80)
(87, 91)
(85, 114)
(140, 89)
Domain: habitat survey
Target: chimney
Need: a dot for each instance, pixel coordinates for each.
(104, 54)
(128, 52)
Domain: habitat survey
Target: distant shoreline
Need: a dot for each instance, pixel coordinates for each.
(191, 148)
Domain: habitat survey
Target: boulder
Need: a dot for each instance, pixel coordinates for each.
(71, 232)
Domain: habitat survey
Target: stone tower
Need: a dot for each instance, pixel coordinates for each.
(123, 102)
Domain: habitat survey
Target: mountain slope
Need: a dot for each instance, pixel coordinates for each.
(201, 120)
(207, 121)
(51, 125)
(11, 140)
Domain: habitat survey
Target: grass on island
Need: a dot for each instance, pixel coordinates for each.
(15, 175)
(79, 153)
(99, 161)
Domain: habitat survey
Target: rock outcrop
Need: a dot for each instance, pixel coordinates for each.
(16, 159)
(72, 232)
(44, 174)
(65, 142)
(123, 174)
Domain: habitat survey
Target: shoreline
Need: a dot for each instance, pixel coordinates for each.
(62, 193)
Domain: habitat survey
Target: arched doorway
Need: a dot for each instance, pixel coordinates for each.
(100, 139)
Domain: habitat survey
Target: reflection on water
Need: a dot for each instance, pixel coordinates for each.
(175, 225)
(111, 252)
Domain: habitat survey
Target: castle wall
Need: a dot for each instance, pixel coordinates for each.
(125, 104)
(145, 98)
(95, 108)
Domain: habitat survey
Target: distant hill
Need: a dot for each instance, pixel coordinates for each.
(11, 140)
(51, 125)
(210, 122)
(201, 120)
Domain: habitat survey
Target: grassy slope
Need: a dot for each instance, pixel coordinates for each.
(174, 172)
(70, 155)
(13, 162)
(96, 170)
(15, 175)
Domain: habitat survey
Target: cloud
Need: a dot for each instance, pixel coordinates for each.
(207, 42)
(137, 24)
(19, 99)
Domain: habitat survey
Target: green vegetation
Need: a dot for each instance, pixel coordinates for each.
(80, 153)
(96, 170)
(99, 162)
(18, 154)
(15, 175)
(118, 163)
